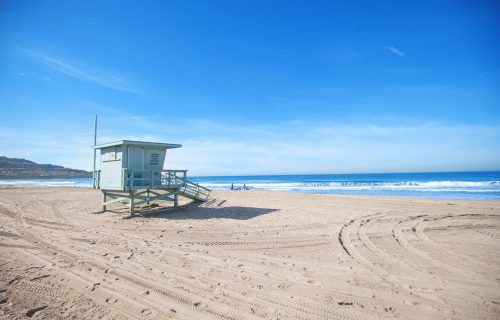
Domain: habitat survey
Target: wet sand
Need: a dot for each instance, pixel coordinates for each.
(248, 255)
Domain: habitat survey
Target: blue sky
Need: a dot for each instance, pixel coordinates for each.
(256, 87)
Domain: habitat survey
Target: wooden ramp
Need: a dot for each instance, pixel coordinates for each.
(194, 191)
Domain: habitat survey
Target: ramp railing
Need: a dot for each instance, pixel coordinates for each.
(195, 191)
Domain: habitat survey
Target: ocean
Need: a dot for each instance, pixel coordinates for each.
(441, 185)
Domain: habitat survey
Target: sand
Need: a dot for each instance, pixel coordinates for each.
(248, 255)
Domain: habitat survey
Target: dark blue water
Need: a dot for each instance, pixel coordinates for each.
(445, 185)
(448, 185)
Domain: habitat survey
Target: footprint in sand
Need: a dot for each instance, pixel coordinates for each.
(13, 280)
(146, 312)
(31, 312)
(40, 277)
(111, 300)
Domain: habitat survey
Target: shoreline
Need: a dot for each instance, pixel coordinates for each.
(281, 191)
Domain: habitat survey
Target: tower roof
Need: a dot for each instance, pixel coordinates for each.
(138, 144)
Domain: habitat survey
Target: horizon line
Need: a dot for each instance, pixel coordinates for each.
(313, 174)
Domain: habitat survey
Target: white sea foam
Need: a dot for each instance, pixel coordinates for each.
(47, 183)
(427, 186)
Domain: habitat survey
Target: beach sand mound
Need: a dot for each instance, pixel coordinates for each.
(248, 255)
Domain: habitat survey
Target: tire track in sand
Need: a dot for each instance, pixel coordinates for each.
(190, 303)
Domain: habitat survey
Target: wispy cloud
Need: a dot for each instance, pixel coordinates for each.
(396, 51)
(218, 148)
(63, 67)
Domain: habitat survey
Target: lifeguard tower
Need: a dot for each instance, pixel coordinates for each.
(131, 172)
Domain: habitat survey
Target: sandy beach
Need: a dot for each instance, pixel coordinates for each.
(248, 255)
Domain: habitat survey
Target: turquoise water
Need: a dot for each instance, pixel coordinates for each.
(446, 185)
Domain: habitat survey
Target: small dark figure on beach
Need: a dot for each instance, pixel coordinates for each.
(232, 186)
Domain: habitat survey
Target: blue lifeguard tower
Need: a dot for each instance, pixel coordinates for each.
(132, 173)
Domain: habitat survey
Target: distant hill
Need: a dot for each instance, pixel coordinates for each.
(12, 168)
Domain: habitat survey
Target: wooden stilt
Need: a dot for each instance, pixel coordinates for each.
(131, 211)
(104, 200)
(176, 200)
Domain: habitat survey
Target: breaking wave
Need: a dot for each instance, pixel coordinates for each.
(47, 183)
(429, 186)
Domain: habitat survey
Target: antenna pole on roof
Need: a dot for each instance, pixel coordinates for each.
(95, 143)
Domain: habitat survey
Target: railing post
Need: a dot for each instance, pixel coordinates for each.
(128, 177)
(132, 178)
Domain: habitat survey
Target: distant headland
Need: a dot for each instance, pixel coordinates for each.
(13, 168)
